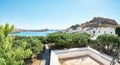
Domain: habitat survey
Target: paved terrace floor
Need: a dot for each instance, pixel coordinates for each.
(86, 60)
(45, 56)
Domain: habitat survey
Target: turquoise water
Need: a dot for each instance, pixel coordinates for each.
(45, 33)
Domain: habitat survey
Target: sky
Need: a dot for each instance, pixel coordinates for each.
(56, 14)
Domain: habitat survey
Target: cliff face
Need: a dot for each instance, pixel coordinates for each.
(99, 22)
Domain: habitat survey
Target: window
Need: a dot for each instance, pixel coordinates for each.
(111, 32)
(99, 31)
(105, 32)
(94, 32)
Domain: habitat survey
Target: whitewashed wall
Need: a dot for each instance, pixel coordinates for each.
(100, 31)
(74, 52)
(54, 59)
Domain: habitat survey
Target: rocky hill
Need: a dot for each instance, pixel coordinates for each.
(97, 22)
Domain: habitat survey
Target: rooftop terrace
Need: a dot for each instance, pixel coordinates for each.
(79, 56)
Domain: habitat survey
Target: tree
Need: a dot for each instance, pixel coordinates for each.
(54, 37)
(8, 29)
(32, 43)
(65, 40)
(10, 55)
(60, 40)
(43, 39)
(117, 31)
(81, 39)
(109, 41)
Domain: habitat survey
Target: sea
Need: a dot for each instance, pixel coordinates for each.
(43, 33)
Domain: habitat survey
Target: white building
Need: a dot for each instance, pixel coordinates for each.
(94, 32)
(100, 31)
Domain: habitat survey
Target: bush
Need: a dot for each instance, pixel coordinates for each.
(68, 40)
(81, 39)
(54, 37)
(32, 43)
(107, 43)
(64, 41)
(108, 39)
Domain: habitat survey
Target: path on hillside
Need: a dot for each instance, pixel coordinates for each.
(45, 56)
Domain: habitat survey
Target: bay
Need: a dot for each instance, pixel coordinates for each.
(44, 33)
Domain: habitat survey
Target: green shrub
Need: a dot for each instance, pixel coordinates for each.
(32, 43)
(106, 43)
(67, 40)
(81, 39)
(10, 55)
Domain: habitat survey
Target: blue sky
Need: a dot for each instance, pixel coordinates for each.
(55, 14)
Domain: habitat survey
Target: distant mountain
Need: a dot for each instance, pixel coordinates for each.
(16, 30)
(96, 22)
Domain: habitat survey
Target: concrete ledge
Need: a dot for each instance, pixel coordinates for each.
(77, 52)
(54, 59)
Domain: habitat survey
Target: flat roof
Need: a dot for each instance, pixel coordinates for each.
(97, 56)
